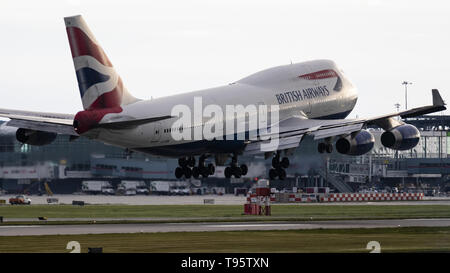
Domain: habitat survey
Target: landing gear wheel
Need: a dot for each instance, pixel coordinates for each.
(244, 169)
(284, 162)
(195, 172)
(182, 162)
(187, 172)
(276, 162)
(179, 172)
(237, 172)
(281, 174)
(228, 172)
(191, 162)
(273, 173)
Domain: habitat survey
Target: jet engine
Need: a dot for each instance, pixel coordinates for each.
(33, 137)
(359, 144)
(403, 137)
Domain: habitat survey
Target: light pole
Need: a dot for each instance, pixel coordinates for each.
(405, 83)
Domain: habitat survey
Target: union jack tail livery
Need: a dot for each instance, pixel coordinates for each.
(100, 86)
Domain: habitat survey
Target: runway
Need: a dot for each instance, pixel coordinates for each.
(227, 199)
(23, 230)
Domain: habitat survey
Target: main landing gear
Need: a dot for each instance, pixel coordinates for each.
(235, 170)
(278, 167)
(188, 169)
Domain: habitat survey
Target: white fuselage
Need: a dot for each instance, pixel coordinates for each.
(298, 89)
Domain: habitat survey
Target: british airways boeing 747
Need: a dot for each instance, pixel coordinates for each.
(286, 102)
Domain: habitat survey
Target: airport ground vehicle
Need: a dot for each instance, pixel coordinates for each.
(142, 190)
(108, 190)
(122, 190)
(97, 187)
(20, 200)
(160, 187)
(181, 190)
(132, 187)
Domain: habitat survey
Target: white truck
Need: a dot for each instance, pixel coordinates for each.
(179, 190)
(133, 187)
(97, 187)
(142, 188)
(160, 187)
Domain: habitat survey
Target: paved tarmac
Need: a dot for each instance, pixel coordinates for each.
(219, 226)
(227, 199)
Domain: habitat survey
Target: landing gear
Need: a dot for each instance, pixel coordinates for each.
(179, 172)
(235, 170)
(202, 169)
(280, 173)
(278, 167)
(187, 172)
(325, 147)
(187, 168)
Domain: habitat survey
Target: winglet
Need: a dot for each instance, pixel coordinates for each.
(437, 99)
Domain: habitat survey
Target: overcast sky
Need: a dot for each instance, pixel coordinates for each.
(170, 47)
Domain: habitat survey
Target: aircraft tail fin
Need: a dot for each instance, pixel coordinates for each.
(99, 84)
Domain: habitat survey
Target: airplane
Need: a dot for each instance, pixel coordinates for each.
(311, 98)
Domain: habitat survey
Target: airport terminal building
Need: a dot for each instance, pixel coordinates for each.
(66, 163)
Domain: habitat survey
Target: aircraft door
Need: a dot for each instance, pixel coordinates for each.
(156, 132)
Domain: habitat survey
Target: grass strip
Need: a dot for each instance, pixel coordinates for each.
(407, 239)
(226, 211)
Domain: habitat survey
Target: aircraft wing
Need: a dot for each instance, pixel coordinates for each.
(48, 122)
(63, 123)
(291, 130)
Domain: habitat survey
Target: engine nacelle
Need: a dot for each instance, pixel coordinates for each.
(33, 137)
(403, 137)
(358, 145)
